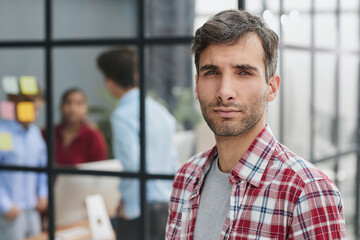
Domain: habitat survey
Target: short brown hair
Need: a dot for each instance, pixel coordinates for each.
(227, 27)
(119, 64)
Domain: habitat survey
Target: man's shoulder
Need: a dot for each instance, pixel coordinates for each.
(125, 113)
(6, 123)
(193, 168)
(299, 168)
(3, 124)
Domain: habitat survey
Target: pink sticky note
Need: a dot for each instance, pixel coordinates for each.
(7, 110)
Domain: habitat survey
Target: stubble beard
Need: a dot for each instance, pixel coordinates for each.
(227, 126)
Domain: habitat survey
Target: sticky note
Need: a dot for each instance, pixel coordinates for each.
(25, 111)
(10, 85)
(6, 143)
(7, 110)
(28, 85)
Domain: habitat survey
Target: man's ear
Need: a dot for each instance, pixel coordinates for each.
(109, 82)
(196, 88)
(274, 84)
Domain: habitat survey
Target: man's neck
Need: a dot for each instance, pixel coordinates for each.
(25, 125)
(123, 91)
(232, 149)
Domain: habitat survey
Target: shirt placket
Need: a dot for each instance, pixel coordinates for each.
(237, 196)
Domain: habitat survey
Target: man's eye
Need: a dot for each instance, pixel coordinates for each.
(212, 72)
(245, 73)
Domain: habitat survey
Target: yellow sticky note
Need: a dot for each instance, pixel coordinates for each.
(28, 85)
(25, 111)
(6, 143)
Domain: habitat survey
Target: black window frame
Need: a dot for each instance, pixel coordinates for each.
(48, 44)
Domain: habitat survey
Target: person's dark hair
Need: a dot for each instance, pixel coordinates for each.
(120, 65)
(69, 91)
(227, 27)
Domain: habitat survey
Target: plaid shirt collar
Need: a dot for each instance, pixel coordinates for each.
(249, 168)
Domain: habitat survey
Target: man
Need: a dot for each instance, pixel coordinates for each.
(248, 186)
(22, 194)
(119, 67)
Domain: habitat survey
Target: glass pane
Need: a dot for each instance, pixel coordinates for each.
(298, 5)
(349, 32)
(272, 20)
(327, 5)
(90, 119)
(205, 9)
(347, 185)
(297, 29)
(24, 62)
(352, 5)
(21, 193)
(273, 5)
(328, 167)
(169, 77)
(254, 6)
(169, 18)
(22, 84)
(94, 19)
(22, 20)
(324, 104)
(158, 197)
(349, 69)
(83, 201)
(296, 87)
(325, 30)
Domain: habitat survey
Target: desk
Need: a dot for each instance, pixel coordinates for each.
(85, 236)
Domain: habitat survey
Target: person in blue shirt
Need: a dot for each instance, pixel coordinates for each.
(22, 194)
(119, 67)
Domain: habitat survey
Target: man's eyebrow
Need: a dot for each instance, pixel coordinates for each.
(246, 67)
(208, 67)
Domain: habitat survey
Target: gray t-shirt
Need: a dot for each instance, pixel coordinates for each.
(214, 204)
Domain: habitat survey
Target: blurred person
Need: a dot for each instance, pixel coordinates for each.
(76, 140)
(119, 67)
(249, 186)
(22, 194)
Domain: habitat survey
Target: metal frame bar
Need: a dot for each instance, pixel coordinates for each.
(357, 184)
(281, 70)
(142, 178)
(312, 82)
(49, 116)
(96, 42)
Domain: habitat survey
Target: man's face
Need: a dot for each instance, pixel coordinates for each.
(110, 85)
(27, 113)
(231, 86)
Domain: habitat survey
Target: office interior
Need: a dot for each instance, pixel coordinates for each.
(316, 114)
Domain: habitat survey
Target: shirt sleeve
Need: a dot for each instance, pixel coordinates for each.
(126, 148)
(98, 148)
(5, 201)
(42, 184)
(319, 213)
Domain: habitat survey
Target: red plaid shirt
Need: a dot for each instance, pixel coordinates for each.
(275, 195)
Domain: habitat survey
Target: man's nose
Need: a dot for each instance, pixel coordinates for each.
(226, 90)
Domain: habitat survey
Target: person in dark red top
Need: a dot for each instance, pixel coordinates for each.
(77, 141)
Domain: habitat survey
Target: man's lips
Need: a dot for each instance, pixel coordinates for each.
(226, 112)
